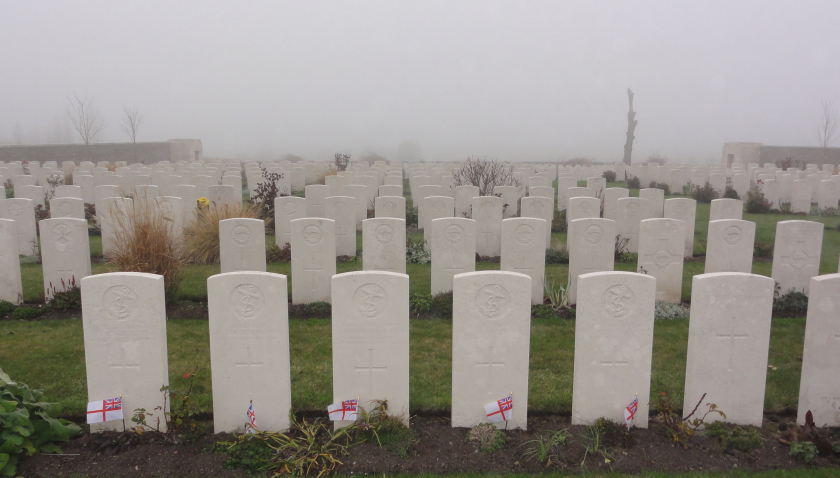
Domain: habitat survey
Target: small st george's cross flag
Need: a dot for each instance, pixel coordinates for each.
(105, 410)
(630, 411)
(252, 419)
(346, 410)
(500, 410)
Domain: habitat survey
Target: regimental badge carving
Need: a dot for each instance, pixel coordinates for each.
(119, 302)
(453, 234)
(65, 208)
(240, 234)
(492, 301)
(15, 209)
(618, 301)
(370, 301)
(661, 258)
(312, 234)
(384, 234)
(289, 207)
(728, 207)
(390, 207)
(62, 236)
(732, 235)
(593, 234)
(538, 206)
(524, 234)
(247, 301)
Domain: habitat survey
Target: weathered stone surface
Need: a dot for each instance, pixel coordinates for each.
(563, 185)
(313, 259)
(435, 207)
(453, 251)
(249, 350)
(487, 213)
(491, 336)
(315, 196)
(22, 211)
(796, 256)
(611, 197)
(656, 202)
(523, 251)
(242, 245)
(819, 389)
(65, 253)
(540, 207)
(359, 193)
(661, 245)
(685, 210)
(389, 190)
(463, 200)
(801, 193)
(729, 246)
(591, 249)
(370, 340)
(341, 209)
(11, 285)
(67, 207)
(728, 342)
(583, 208)
(286, 210)
(390, 206)
(124, 321)
(510, 196)
(613, 346)
(383, 245)
(726, 209)
(630, 214)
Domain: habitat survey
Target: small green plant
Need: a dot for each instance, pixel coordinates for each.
(792, 304)
(735, 437)
(488, 437)
(27, 424)
(763, 250)
(669, 311)
(410, 216)
(558, 223)
(6, 308)
(28, 313)
(181, 424)
(442, 305)
(609, 176)
(803, 450)
(542, 311)
(556, 256)
(68, 298)
(633, 182)
(620, 249)
(274, 253)
(663, 186)
(731, 193)
(546, 448)
(704, 194)
(556, 295)
(420, 303)
(388, 430)
(592, 440)
(680, 428)
(756, 202)
(415, 253)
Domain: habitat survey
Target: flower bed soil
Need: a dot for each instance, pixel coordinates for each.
(439, 448)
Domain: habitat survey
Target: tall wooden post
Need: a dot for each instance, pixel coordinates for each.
(631, 127)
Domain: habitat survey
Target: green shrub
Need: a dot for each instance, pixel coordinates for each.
(415, 254)
(704, 194)
(803, 450)
(488, 437)
(68, 298)
(27, 424)
(274, 253)
(662, 186)
(420, 303)
(735, 437)
(669, 311)
(311, 310)
(756, 202)
(442, 305)
(792, 304)
(556, 256)
(763, 250)
(730, 193)
(633, 182)
(558, 223)
(542, 311)
(28, 313)
(6, 308)
(410, 216)
(609, 176)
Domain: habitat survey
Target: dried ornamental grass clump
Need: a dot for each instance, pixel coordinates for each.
(202, 233)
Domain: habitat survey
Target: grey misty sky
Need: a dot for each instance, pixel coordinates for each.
(511, 80)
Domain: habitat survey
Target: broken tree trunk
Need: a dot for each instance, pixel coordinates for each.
(631, 127)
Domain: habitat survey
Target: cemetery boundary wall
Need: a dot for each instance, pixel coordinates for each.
(146, 153)
(744, 153)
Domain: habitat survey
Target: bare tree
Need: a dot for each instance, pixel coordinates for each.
(828, 124)
(486, 174)
(131, 121)
(85, 117)
(631, 128)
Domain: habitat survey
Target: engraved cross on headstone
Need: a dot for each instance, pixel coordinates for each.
(311, 267)
(732, 336)
(615, 358)
(797, 255)
(486, 231)
(370, 368)
(249, 361)
(125, 362)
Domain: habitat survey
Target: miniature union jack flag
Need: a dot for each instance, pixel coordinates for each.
(500, 410)
(346, 410)
(252, 419)
(105, 410)
(630, 411)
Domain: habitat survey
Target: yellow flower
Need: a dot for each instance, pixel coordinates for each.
(203, 203)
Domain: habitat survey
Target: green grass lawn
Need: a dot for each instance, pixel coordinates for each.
(50, 355)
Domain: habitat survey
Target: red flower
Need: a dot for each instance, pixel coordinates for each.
(187, 375)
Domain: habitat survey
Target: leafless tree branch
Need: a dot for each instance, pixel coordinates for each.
(486, 174)
(131, 121)
(85, 118)
(828, 124)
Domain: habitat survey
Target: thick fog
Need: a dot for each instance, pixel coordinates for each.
(535, 81)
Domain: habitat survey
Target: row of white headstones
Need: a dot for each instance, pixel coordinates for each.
(126, 348)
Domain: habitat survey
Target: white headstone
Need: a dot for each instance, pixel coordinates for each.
(656, 202)
(583, 208)
(383, 245)
(591, 249)
(242, 245)
(313, 259)
(613, 346)
(67, 207)
(315, 196)
(435, 207)
(124, 321)
(630, 214)
(390, 206)
(249, 350)
(510, 197)
(370, 340)
(819, 389)
(11, 285)
(801, 196)
(65, 254)
(286, 210)
(729, 247)
(341, 209)
(539, 207)
(453, 251)
(796, 255)
(728, 342)
(726, 209)
(463, 200)
(611, 197)
(523, 251)
(661, 247)
(685, 210)
(487, 213)
(491, 336)
(22, 211)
